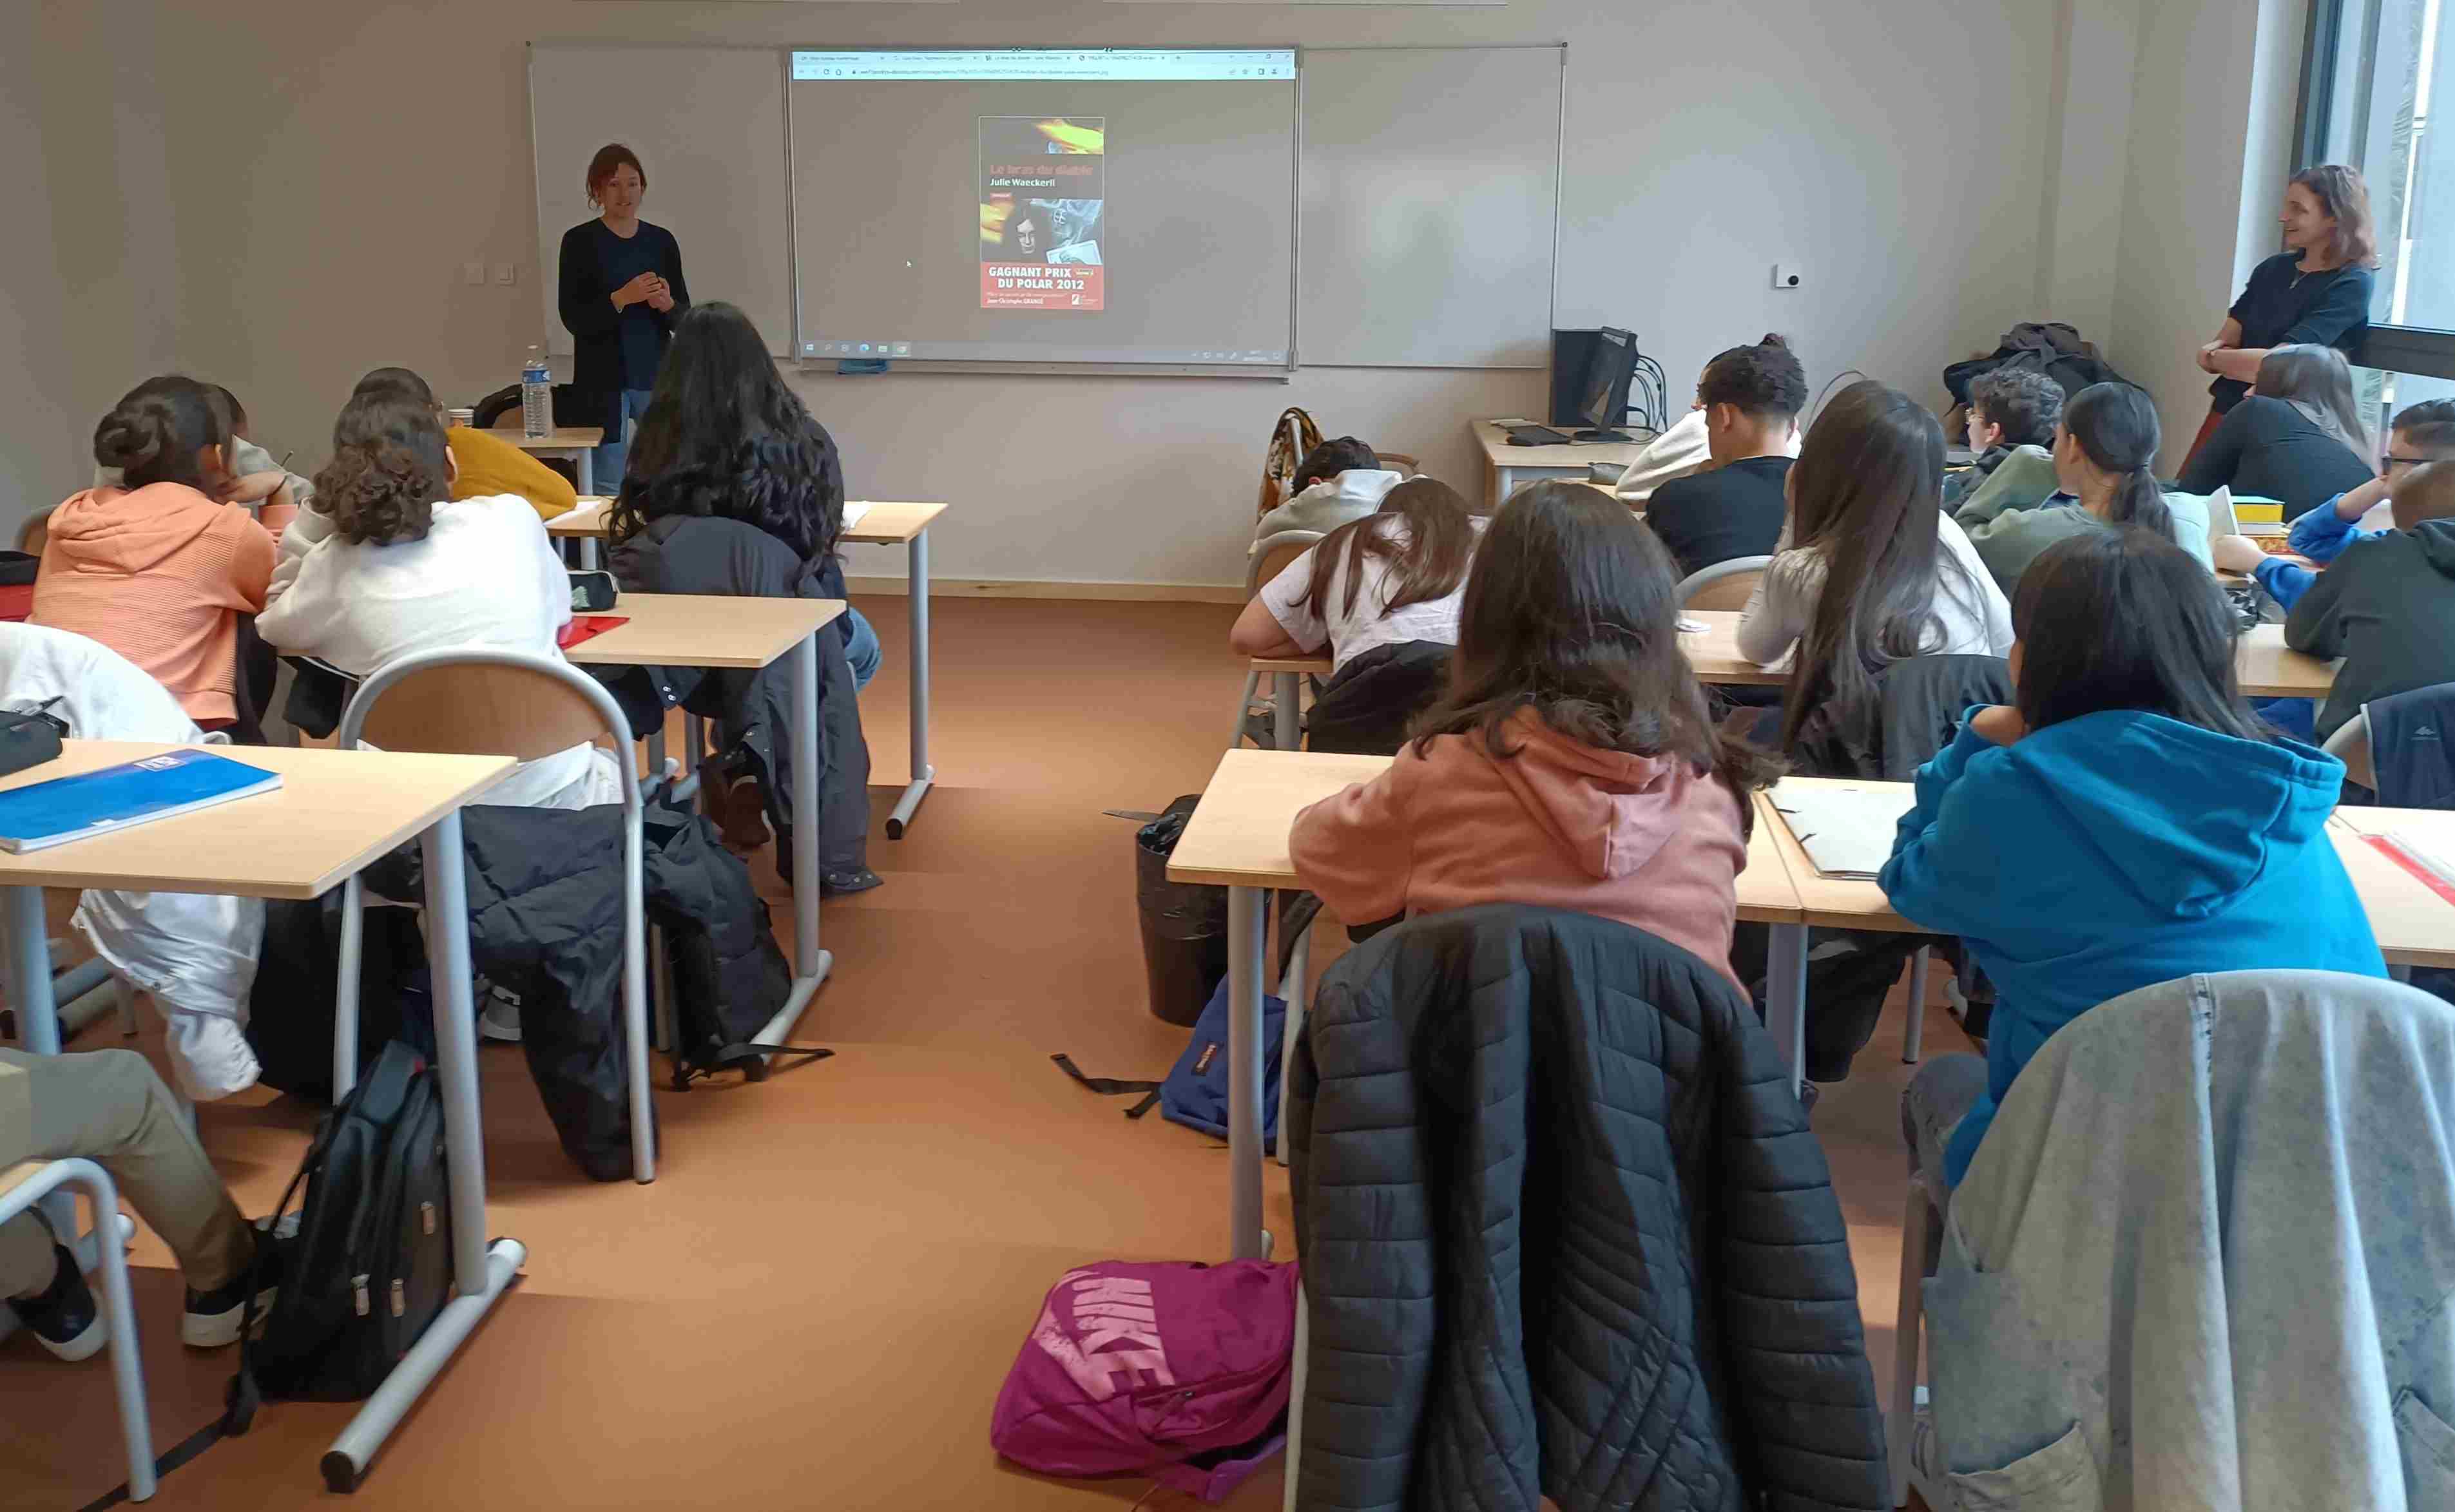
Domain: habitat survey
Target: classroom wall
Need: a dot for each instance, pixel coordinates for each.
(278, 194)
(2216, 84)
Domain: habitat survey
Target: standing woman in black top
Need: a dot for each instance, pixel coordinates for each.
(621, 293)
(2317, 289)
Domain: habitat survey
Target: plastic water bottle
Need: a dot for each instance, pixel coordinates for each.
(537, 395)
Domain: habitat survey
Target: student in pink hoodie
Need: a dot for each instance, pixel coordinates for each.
(1573, 764)
(159, 569)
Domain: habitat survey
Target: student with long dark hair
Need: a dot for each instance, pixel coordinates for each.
(2105, 456)
(1573, 763)
(1382, 595)
(156, 567)
(733, 489)
(1872, 570)
(2297, 437)
(2126, 821)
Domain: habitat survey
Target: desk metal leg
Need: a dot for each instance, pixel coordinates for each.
(917, 586)
(38, 1013)
(1786, 996)
(1287, 730)
(481, 1270)
(810, 963)
(590, 556)
(584, 465)
(1247, 912)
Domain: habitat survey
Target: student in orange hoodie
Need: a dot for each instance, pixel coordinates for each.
(1573, 764)
(159, 569)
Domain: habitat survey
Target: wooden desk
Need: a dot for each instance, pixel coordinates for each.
(2269, 670)
(575, 444)
(1237, 838)
(2415, 926)
(882, 524)
(907, 524)
(336, 811)
(1506, 466)
(687, 630)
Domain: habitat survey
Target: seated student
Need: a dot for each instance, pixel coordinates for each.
(732, 487)
(258, 479)
(2009, 411)
(1382, 593)
(107, 1106)
(2297, 437)
(2387, 605)
(156, 568)
(1750, 397)
(1573, 764)
(2103, 449)
(1337, 481)
(2421, 433)
(1863, 515)
(408, 567)
(2126, 821)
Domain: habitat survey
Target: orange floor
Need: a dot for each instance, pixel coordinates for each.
(814, 1304)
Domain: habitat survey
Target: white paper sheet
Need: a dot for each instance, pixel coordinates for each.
(1846, 829)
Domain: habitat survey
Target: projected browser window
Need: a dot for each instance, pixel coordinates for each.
(1132, 206)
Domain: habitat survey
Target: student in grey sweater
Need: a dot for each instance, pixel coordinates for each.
(2103, 449)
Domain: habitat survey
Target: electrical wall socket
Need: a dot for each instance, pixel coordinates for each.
(507, 273)
(1787, 275)
(473, 274)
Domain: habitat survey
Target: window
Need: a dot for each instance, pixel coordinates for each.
(2374, 74)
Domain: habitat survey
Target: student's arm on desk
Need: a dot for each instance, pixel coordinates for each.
(2317, 624)
(1781, 604)
(1258, 633)
(1355, 849)
(2322, 533)
(1938, 866)
(1280, 620)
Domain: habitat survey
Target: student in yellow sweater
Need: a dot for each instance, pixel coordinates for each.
(482, 465)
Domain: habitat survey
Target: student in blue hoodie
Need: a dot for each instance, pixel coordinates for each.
(2127, 822)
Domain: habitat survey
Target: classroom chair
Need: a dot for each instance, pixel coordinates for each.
(1724, 585)
(1268, 558)
(35, 533)
(1400, 462)
(2350, 744)
(471, 701)
(21, 1187)
(2200, 1058)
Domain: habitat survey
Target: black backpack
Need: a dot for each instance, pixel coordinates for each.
(373, 1262)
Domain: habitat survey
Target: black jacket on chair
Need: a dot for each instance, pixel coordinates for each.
(1565, 1232)
(753, 711)
(1365, 710)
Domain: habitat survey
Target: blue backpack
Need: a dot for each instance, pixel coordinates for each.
(1195, 1091)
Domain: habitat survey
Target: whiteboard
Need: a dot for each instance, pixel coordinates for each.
(708, 124)
(1429, 211)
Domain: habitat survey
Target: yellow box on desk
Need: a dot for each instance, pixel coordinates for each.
(2257, 510)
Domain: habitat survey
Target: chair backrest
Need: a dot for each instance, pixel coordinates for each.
(1271, 554)
(1400, 462)
(32, 534)
(1724, 585)
(469, 701)
(2350, 744)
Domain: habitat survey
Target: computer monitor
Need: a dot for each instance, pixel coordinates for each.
(1608, 372)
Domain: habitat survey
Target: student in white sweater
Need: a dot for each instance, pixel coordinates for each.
(406, 568)
(1866, 513)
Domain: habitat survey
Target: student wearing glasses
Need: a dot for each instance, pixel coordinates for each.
(2421, 433)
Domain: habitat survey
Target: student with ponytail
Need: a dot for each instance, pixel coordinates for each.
(156, 567)
(2104, 450)
(406, 568)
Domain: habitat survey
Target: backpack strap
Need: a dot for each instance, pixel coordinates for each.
(751, 1059)
(243, 1397)
(1112, 1087)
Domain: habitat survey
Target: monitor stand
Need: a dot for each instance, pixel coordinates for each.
(1610, 437)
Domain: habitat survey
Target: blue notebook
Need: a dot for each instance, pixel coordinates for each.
(47, 814)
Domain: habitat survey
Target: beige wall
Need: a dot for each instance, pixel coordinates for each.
(278, 194)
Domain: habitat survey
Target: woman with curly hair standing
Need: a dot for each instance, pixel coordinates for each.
(734, 489)
(406, 568)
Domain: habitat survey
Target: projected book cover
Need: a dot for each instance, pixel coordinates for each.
(1044, 197)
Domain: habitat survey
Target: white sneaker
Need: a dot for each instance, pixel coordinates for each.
(500, 1021)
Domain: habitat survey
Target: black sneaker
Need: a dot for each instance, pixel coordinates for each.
(214, 1319)
(64, 1317)
(837, 884)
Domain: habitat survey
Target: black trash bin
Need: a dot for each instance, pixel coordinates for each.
(1185, 924)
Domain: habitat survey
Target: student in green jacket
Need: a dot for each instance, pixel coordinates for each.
(2103, 454)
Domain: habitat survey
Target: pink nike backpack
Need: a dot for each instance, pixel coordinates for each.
(1176, 1371)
